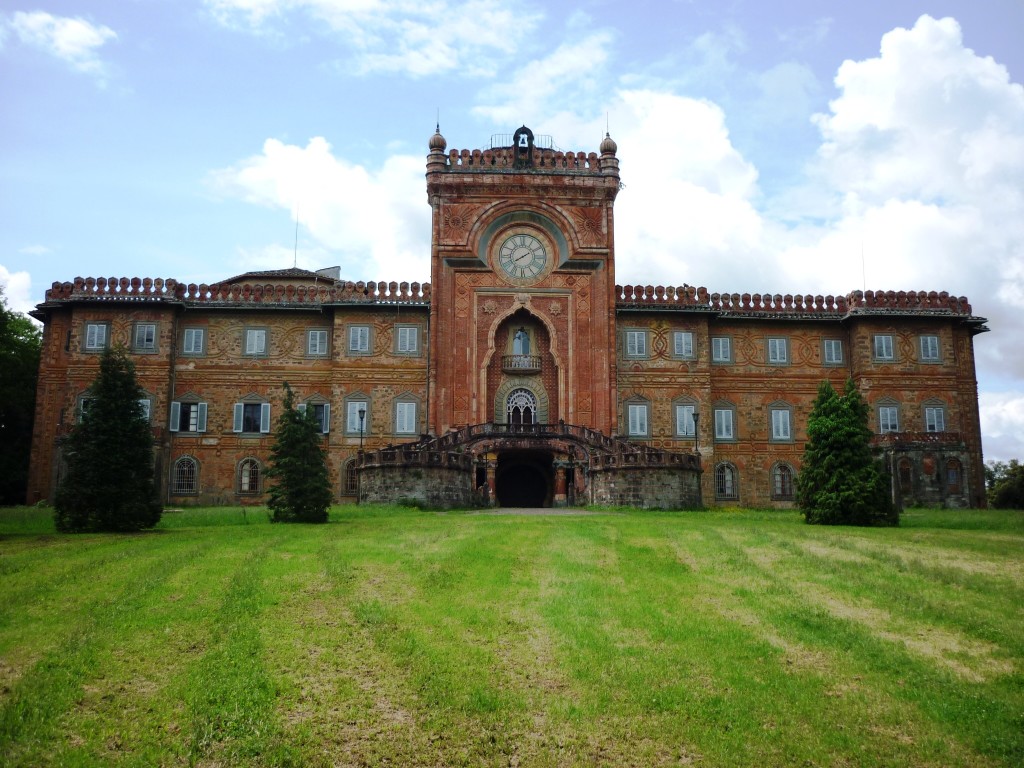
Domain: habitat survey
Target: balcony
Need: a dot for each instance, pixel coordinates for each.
(520, 363)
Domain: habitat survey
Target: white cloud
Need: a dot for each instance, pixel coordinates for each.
(374, 222)
(1002, 424)
(73, 40)
(35, 250)
(399, 36)
(17, 289)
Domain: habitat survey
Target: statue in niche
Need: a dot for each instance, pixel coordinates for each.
(521, 342)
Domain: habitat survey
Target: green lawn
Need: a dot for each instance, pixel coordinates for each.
(397, 637)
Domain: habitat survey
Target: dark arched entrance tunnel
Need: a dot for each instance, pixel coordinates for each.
(524, 479)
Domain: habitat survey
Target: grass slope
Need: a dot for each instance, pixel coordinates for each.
(396, 637)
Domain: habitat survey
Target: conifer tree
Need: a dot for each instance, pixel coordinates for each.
(298, 464)
(108, 485)
(841, 481)
(20, 342)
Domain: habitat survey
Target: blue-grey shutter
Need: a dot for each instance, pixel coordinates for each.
(175, 415)
(201, 419)
(236, 425)
(327, 418)
(264, 417)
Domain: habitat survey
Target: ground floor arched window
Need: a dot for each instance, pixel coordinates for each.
(726, 482)
(349, 478)
(783, 487)
(249, 476)
(185, 477)
(954, 476)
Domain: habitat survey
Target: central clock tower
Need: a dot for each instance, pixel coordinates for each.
(522, 320)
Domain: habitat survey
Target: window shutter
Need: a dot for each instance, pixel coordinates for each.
(175, 415)
(236, 425)
(301, 408)
(264, 417)
(327, 418)
(201, 418)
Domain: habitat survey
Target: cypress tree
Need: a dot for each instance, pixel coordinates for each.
(841, 481)
(108, 485)
(298, 464)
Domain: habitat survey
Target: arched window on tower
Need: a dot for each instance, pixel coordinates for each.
(522, 407)
(521, 342)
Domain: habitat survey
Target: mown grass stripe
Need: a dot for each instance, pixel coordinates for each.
(55, 682)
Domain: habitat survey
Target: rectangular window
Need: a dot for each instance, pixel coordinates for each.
(684, 420)
(316, 343)
(405, 418)
(144, 338)
(637, 419)
(636, 343)
(359, 339)
(778, 351)
(95, 335)
(145, 404)
(352, 420)
(407, 341)
(721, 349)
(883, 348)
(780, 424)
(723, 424)
(930, 349)
(682, 344)
(188, 417)
(321, 413)
(194, 341)
(833, 351)
(888, 419)
(251, 418)
(934, 420)
(255, 341)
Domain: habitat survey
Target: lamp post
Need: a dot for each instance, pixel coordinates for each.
(696, 419)
(359, 477)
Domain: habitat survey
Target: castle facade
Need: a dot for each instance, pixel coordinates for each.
(522, 374)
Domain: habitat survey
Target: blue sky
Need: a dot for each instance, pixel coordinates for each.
(804, 146)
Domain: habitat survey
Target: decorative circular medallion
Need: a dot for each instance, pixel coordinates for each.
(522, 257)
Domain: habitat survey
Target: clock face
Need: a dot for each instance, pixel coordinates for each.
(522, 257)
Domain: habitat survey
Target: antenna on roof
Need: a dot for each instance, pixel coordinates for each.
(295, 257)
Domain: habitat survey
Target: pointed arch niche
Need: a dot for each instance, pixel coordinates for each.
(522, 359)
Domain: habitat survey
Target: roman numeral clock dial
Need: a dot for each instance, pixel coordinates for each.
(522, 258)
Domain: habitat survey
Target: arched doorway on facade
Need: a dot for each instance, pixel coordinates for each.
(521, 407)
(524, 479)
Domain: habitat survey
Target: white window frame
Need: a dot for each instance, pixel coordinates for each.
(929, 346)
(318, 342)
(406, 417)
(176, 489)
(352, 416)
(197, 416)
(888, 419)
(721, 349)
(725, 423)
(238, 419)
(638, 419)
(324, 421)
(684, 419)
(245, 479)
(884, 347)
(359, 339)
(256, 342)
(934, 418)
(778, 350)
(193, 341)
(636, 343)
(833, 354)
(96, 336)
(782, 424)
(407, 339)
(147, 342)
(682, 344)
(146, 405)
